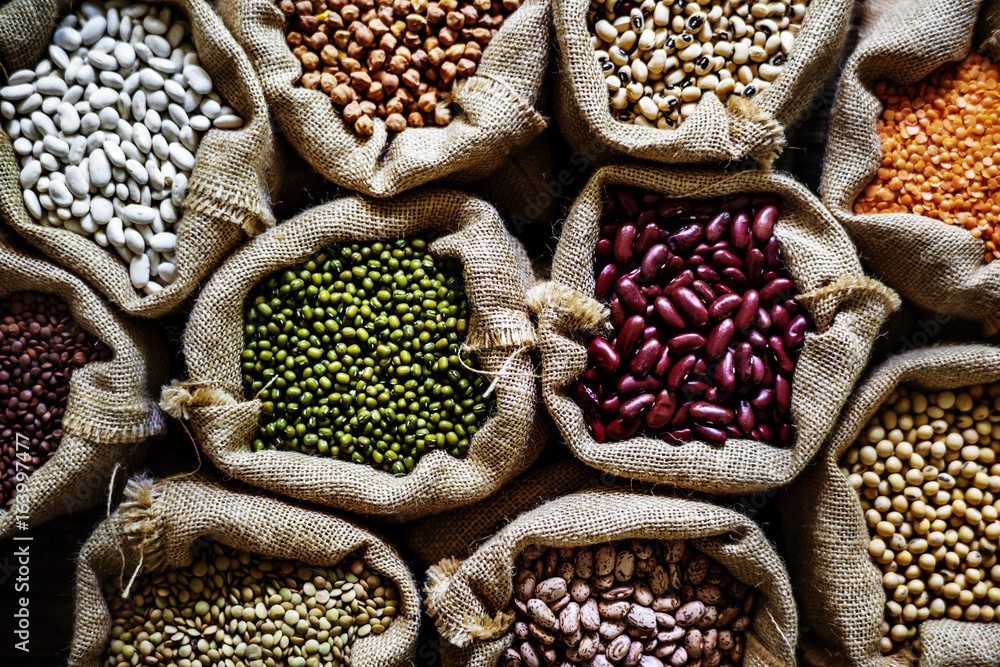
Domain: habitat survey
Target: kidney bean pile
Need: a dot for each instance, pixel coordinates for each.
(707, 331)
(40, 347)
(638, 603)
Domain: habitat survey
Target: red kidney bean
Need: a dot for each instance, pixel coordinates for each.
(605, 252)
(671, 208)
(683, 279)
(626, 198)
(739, 230)
(645, 217)
(754, 265)
(652, 331)
(700, 367)
(682, 414)
(694, 261)
(785, 434)
(595, 374)
(758, 370)
(717, 226)
(763, 223)
(621, 429)
(651, 199)
(719, 339)
(702, 289)
(776, 289)
(631, 296)
(596, 427)
(586, 398)
(724, 306)
(735, 279)
(653, 261)
(782, 393)
(779, 317)
(646, 357)
(690, 306)
(624, 239)
(651, 292)
(735, 203)
(685, 239)
(772, 254)
(605, 281)
(663, 409)
(745, 417)
(725, 372)
(714, 414)
(687, 342)
(748, 310)
(763, 400)
(763, 320)
(710, 433)
(680, 371)
(742, 360)
(634, 407)
(671, 269)
(707, 273)
(664, 363)
(629, 335)
(605, 355)
(795, 332)
(781, 357)
(677, 437)
(666, 311)
(630, 385)
(723, 288)
(611, 406)
(648, 237)
(756, 340)
(768, 276)
(617, 312)
(723, 259)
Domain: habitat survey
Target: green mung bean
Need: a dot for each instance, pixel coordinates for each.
(354, 354)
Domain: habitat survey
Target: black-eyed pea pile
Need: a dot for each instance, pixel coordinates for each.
(645, 603)
(660, 57)
(231, 607)
(927, 472)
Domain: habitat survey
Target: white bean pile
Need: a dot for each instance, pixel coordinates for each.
(106, 128)
(660, 57)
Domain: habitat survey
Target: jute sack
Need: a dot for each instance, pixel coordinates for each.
(499, 105)
(846, 307)
(459, 531)
(111, 411)
(935, 265)
(716, 132)
(227, 195)
(158, 522)
(469, 599)
(839, 588)
(497, 274)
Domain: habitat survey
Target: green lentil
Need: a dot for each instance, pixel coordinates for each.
(354, 354)
(226, 617)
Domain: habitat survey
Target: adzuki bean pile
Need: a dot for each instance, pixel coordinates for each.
(394, 59)
(706, 330)
(40, 347)
(640, 603)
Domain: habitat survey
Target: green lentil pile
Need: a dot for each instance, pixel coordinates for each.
(231, 607)
(355, 355)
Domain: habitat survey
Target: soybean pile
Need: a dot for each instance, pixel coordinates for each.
(106, 129)
(233, 607)
(706, 329)
(660, 57)
(927, 473)
(355, 354)
(938, 138)
(644, 603)
(40, 348)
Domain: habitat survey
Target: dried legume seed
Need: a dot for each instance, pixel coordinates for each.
(233, 607)
(707, 331)
(40, 347)
(658, 58)
(106, 127)
(355, 354)
(644, 602)
(937, 139)
(927, 473)
(395, 59)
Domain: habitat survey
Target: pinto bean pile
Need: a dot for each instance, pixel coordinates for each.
(706, 329)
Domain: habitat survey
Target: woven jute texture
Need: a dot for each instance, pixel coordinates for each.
(499, 107)
(228, 194)
(158, 522)
(111, 410)
(497, 275)
(846, 308)
(469, 599)
(936, 265)
(457, 533)
(716, 131)
(836, 582)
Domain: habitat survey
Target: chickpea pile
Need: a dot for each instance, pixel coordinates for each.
(928, 476)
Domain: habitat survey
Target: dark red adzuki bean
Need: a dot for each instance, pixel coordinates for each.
(707, 329)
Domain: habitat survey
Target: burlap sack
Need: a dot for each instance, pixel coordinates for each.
(935, 265)
(497, 275)
(846, 308)
(227, 196)
(469, 599)
(716, 131)
(499, 105)
(838, 586)
(111, 411)
(158, 522)
(458, 532)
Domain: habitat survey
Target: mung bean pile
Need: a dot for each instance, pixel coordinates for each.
(938, 138)
(40, 347)
(927, 472)
(660, 57)
(231, 607)
(637, 602)
(106, 129)
(706, 328)
(355, 355)
(395, 59)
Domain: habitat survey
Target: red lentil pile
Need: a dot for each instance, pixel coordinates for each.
(938, 137)
(395, 59)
